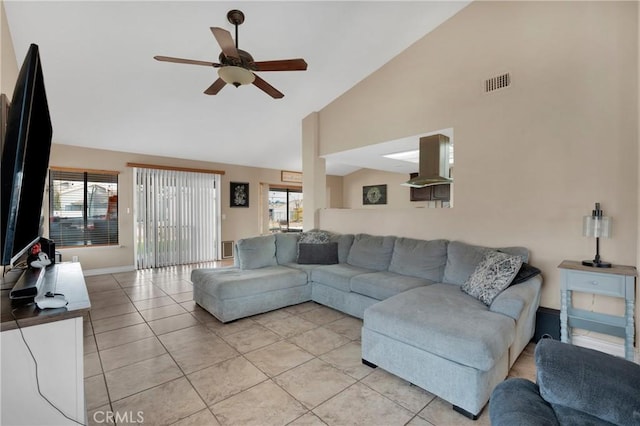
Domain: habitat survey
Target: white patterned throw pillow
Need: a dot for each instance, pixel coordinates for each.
(492, 275)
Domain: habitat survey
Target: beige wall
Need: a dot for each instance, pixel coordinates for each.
(237, 222)
(531, 160)
(8, 63)
(334, 192)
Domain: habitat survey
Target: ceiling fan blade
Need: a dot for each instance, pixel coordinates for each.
(267, 88)
(185, 61)
(298, 64)
(224, 39)
(215, 87)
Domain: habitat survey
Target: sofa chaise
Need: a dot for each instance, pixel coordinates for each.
(423, 319)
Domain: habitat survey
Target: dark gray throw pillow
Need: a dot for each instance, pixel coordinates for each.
(526, 271)
(317, 254)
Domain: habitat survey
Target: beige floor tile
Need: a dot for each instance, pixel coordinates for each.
(175, 287)
(169, 324)
(360, 405)
(290, 326)
(251, 339)
(183, 297)
(419, 421)
(322, 315)
(131, 353)
(97, 279)
(199, 354)
(157, 302)
(140, 376)
(201, 418)
(278, 357)
(98, 286)
(524, 367)
(189, 305)
(113, 323)
(87, 328)
(270, 406)
(95, 392)
(163, 404)
(121, 336)
(319, 340)
(144, 292)
(268, 317)
(105, 299)
(134, 282)
(225, 379)
(314, 382)
(308, 419)
(300, 308)
(222, 329)
(90, 344)
(349, 327)
(208, 319)
(348, 359)
(112, 311)
(440, 412)
(162, 312)
(179, 339)
(398, 390)
(92, 366)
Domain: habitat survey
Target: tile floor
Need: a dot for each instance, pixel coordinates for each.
(151, 354)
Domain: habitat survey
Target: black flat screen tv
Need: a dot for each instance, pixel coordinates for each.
(25, 161)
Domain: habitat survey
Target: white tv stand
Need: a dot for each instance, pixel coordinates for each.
(55, 337)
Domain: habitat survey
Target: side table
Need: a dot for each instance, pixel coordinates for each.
(617, 281)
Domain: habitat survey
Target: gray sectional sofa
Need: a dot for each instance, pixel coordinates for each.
(417, 322)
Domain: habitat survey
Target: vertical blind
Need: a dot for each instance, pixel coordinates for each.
(175, 217)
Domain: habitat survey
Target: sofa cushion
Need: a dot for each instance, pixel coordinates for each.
(492, 275)
(344, 245)
(257, 252)
(230, 283)
(442, 320)
(286, 247)
(336, 276)
(419, 258)
(462, 260)
(574, 377)
(382, 285)
(321, 254)
(371, 252)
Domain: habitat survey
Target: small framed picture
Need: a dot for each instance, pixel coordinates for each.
(239, 194)
(374, 194)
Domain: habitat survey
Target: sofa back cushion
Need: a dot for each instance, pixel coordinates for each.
(371, 252)
(462, 260)
(286, 247)
(257, 252)
(419, 258)
(344, 245)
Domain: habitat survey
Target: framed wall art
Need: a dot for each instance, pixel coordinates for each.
(374, 195)
(239, 194)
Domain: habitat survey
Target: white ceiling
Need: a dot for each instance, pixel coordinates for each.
(106, 91)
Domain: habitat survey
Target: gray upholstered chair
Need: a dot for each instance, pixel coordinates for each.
(575, 386)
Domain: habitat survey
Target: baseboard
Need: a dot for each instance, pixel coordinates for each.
(112, 270)
(598, 344)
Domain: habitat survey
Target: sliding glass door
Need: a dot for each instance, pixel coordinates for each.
(285, 209)
(176, 217)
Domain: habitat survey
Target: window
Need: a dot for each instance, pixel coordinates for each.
(83, 208)
(285, 209)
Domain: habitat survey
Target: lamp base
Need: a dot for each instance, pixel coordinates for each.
(598, 264)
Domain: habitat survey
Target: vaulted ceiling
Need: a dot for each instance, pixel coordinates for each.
(106, 91)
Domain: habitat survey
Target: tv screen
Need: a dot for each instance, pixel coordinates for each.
(25, 160)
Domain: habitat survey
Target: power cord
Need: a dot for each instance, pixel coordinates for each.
(37, 376)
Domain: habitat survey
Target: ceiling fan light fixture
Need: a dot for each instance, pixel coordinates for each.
(237, 76)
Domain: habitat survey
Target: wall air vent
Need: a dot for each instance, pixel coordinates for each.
(498, 82)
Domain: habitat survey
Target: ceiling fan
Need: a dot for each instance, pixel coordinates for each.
(237, 66)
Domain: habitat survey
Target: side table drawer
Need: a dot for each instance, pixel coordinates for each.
(605, 284)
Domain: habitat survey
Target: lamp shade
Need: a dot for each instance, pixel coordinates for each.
(236, 75)
(596, 226)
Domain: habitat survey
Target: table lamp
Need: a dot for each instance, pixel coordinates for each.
(597, 226)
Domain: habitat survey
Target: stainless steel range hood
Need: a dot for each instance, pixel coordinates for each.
(434, 166)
